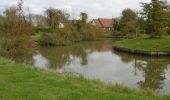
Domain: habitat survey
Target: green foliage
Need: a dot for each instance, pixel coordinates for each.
(128, 15)
(127, 24)
(60, 38)
(141, 24)
(155, 14)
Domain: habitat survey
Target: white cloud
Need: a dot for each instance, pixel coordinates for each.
(95, 8)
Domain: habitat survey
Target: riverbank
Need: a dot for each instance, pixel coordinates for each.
(19, 81)
(145, 46)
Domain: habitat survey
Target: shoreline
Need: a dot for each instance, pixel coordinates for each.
(142, 53)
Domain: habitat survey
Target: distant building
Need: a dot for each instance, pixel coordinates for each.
(103, 23)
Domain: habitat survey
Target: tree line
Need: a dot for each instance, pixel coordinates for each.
(153, 20)
(56, 28)
(17, 29)
(63, 31)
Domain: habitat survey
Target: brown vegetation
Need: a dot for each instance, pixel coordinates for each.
(16, 32)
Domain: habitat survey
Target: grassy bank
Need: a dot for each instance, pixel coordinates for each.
(20, 82)
(146, 44)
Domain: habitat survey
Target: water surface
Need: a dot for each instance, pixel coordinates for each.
(98, 60)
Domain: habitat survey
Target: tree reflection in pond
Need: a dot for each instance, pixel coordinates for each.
(153, 70)
(61, 56)
(154, 74)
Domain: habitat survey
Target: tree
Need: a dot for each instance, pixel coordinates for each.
(141, 24)
(126, 25)
(116, 25)
(84, 17)
(15, 23)
(155, 14)
(128, 15)
(56, 17)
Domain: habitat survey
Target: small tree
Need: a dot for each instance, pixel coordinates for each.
(155, 14)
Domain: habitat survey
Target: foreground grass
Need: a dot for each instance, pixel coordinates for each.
(146, 44)
(20, 82)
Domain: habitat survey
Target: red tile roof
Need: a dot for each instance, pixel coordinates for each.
(104, 23)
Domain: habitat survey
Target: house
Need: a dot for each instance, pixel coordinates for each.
(103, 23)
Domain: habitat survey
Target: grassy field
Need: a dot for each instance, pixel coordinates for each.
(146, 44)
(22, 82)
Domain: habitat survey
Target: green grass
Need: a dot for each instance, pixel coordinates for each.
(146, 44)
(23, 82)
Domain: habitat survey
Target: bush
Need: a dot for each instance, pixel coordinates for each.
(67, 36)
(16, 38)
(16, 46)
(59, 38)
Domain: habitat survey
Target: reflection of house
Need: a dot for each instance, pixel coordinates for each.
(103, 23)
(104, 47)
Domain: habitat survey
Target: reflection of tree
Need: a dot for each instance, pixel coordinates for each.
(60, 56)
(152, 68)
(154, 73)
(126, 58)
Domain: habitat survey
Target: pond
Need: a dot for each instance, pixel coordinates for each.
(98, 60)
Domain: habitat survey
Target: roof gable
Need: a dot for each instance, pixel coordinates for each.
(103, 23)
(106, 22)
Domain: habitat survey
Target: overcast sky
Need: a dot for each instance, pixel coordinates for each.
(95, 8)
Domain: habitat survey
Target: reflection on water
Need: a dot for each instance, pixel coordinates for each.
(155, 72)
(40, 61)
(97, 60)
